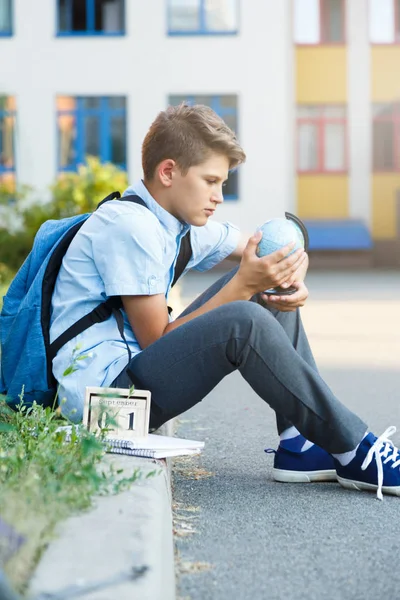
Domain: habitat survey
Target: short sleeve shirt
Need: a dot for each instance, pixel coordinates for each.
(122, 249)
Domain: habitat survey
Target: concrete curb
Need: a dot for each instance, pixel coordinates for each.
(103, 548)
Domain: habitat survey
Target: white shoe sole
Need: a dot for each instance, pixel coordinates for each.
(360, 486)
(285, 476)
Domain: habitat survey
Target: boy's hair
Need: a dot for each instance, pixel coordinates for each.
(188, 135)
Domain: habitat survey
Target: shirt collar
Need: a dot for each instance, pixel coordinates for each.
(166, 219)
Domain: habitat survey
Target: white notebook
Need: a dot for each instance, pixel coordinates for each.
(152, 446)
(155, 446)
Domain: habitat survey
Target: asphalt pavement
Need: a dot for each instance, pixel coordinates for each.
(242, 536)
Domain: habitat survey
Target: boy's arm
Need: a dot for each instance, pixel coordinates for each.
(148, 315)
(237, 254)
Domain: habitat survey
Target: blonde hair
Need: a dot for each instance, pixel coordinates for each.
(188, 135)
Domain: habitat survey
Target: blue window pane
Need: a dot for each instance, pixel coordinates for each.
(184, 15)
(231, 186)
(109, 15)
(90, 102)
(117, 102)
(231, 121)
(176, 100)
(92, 136)
(91, 16)
(200, 99)
(228, 101)
(118, 140)
(220, 15)
(5, 16)
(77, 15)
(91, 125)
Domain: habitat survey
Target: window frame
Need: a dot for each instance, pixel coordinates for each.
(321, 121)
(10, 32)
(322, 22)
(90, 18)
(221, 112)
(105, 115)
(396, 27)
(394, 119)
(9, 170)
(202, 30)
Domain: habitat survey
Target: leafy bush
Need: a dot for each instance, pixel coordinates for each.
(72, 194)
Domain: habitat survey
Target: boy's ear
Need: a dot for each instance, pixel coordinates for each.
(165, 171)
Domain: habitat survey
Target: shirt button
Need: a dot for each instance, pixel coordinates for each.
(152, 280)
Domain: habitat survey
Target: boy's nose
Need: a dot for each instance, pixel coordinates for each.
(217, 197)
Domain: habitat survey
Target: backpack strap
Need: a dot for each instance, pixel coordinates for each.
(103, 311)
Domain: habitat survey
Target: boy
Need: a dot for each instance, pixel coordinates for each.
(127, 250)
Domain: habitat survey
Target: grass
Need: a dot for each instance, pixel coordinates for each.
(43, 480)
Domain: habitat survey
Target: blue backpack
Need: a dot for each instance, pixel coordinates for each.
(26, 352)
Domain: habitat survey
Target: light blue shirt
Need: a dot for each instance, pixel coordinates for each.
(122, 249)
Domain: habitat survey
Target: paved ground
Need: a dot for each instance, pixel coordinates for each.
(257, 539)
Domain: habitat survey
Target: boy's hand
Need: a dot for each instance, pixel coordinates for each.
(288, 303)
(258, 274)
(300, 274)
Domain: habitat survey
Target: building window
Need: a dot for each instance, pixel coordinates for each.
(226, 107)
(202, 17)
(91, 17)
(319, 21)
(321, 139)
(386, 137)
(7, 139)
(384, 21)
(5, 18)
(91, 125)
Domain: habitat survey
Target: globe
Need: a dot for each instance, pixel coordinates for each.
(278, 233)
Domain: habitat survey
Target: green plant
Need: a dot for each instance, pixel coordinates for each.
(48, 473)
(71, 194)
(80, 192)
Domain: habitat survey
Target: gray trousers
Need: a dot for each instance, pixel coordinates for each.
(271, 351)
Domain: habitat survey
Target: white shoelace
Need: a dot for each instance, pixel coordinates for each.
(383, 448)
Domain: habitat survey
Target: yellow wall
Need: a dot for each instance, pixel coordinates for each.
(385, 62)
(385, 87)
(322, 196)
(384, 186)
(321, 74)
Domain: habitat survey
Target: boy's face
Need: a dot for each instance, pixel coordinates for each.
(194, 197)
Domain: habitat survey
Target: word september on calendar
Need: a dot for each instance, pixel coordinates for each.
(124, 413)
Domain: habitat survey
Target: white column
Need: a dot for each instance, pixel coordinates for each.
(359, 110)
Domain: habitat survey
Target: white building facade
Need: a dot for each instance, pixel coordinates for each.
(146, 65)
(303, 83)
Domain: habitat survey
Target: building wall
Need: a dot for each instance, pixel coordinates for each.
(385, 87)
(322, 196)
(359, 111)
(321, 79)
(147, 66)
(262, 65)
(321, 74)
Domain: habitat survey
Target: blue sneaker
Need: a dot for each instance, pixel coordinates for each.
(293, 466)
(381, 474)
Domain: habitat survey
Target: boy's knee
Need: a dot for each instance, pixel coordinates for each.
(246, 312)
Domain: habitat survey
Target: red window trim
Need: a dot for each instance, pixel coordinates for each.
(321, 121)
(396, 25)
(394, 118)
(322, 29)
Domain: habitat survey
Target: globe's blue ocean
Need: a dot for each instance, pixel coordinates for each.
(278, 233)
